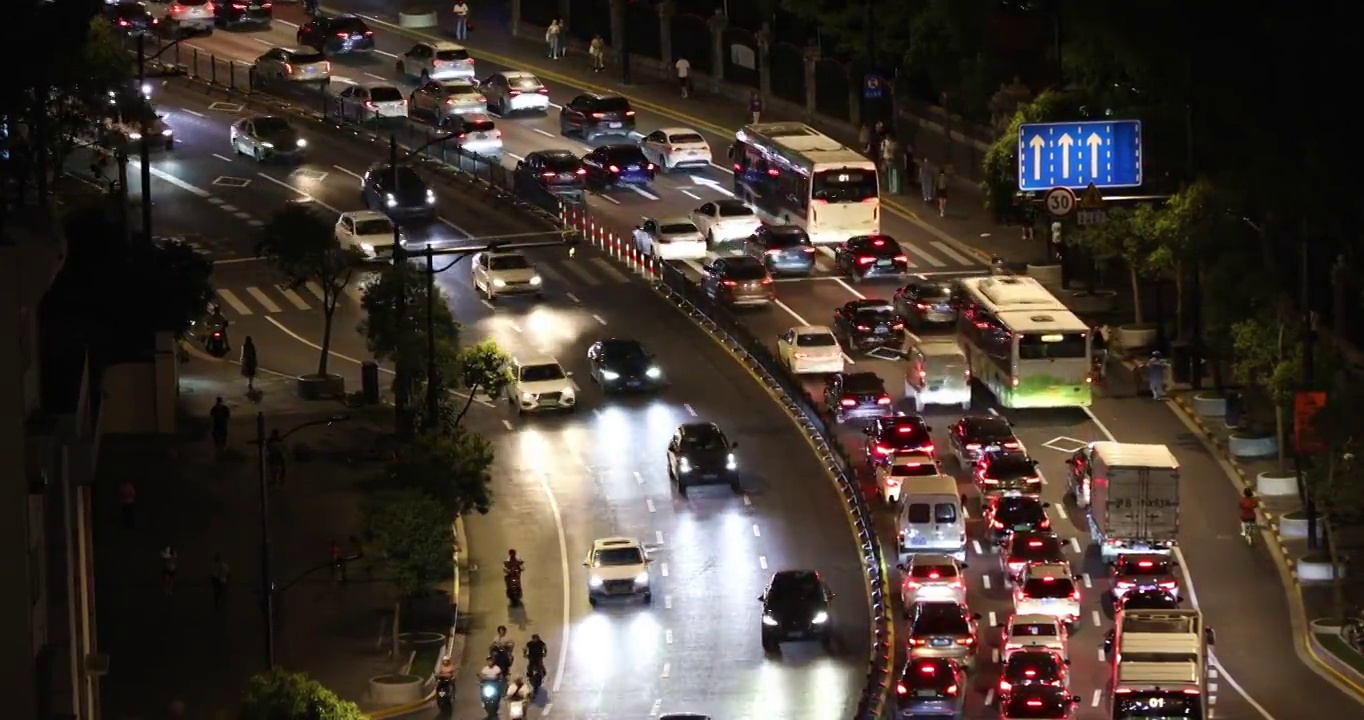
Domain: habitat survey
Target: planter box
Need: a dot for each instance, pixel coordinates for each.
(1293, 526)
(1133, 338)
(1207, 405)
(388, 690)
(1314, 571)
(1271, 484)
(1252, 446)
(1048, 274)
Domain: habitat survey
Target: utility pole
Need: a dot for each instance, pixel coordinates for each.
(1308, 337)
(401, 425)
(145, 155)
(432, 406)
(267, 575)
(121, 157)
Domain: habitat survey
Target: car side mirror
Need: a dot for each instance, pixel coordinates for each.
(1046, 505)
(520, 164)
(832, 595)
(963, 566)
(569, 373)
(638, 228)
(587, 564)
(1075, 698)
(707, 266)
(928, 428)
(1067, 662)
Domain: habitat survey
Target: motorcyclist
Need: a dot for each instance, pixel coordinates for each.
(518, 689)
(512, 565)
(535, 652)
(1247, 507)
(216, 319)
(501, 649)
(446, 671)
(490, 672)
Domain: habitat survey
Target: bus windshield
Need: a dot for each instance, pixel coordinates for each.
(1157, 706)
(844, 185)
(1051, 346)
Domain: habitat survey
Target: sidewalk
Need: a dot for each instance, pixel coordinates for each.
(164, 647)
(967, 219)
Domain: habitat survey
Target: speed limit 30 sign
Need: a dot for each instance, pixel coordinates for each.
(1060, 202)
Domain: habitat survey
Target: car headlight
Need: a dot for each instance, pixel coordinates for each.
(568, 395)
(684, 465)
(166, 132)
(642, 579)
(499, 283)
(769, 620)
(369, 249)
(610, 375)
(820, 618)
(430, 197)
(730, 462)
(301, 142)
(267, 144)
(527, 397)
(146, 90)
(653, 373)
(594, 581)
(134, 136)
(389, 200)
(535, 280)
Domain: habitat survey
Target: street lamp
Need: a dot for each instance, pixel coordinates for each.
(266, 571)
(145, 153)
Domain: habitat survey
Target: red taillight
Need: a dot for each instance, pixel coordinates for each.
(1192, 691)
(613, 169)
(900, 689)
(934, 575)
(371, 105)
(1075, 595)
(773, 172)
(928, 669)
(737, 168)
(123, 23)
(848, 402)
(543, 91)
(1145, 564)
(629, 113)
(177, 8)
(342, 36)
(289, 68)
(650, 167)
(921, 305)
(883, 400)
(880, 449)
(808, 250)
(1029, 673)
(865, 260)
(548, 174)
(368, 33)
(1035, 543)
(1168, 585)
(729, 283)
(773, 252)
(580, 171)
(1034, 703)
(863, 328)
(217, 334)
(901, 258)
(897, 326)
(972, 446)
(878, 242)
(918, 642)
(1011, 445)
(966, 641)
(242, 6)
(1123, 691)
(598, 116)
(1016, 566)
(767, 281)
(1046, 523)
(952, 690)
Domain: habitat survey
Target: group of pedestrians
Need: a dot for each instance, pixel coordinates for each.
(898, 163)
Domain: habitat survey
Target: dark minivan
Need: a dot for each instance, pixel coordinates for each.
(593, 115)
(783, 249)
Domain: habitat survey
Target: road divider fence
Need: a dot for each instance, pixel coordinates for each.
(575, 221)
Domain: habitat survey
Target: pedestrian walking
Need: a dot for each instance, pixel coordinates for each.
(927, 180)
(274, 457)
(219, 579)
(338, 563)
(1155, 375)
(890, 162)
(461, 11)
(169, 561)
(127, 497)
(755, 106)
(249, 365)
(219, 416)
(683, 67)
(553, 34)
(597, 49)
(940, 191)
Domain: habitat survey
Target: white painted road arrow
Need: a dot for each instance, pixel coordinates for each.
(1094, 142)
(1065, 141)
(1037, 143)
(713, 185)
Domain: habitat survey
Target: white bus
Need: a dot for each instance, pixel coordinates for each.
(1023, 344)
(794, 175)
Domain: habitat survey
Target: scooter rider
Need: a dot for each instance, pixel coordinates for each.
(511, 574)
(518, 690)
(535, 652)
(446, 671)
(501, 649)
(490, 672)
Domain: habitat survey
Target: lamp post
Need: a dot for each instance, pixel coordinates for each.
(266, 555)
(145, 153)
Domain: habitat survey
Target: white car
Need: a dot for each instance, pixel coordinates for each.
(541, 384)
(891, 477)
(672, 148)
(187, 16)
(932, 577)
(810, 350)
(723, 220)
(439, 60)
(617, 569)
(366, 230)
(303, 65)
(371, 101)
(1048, 589)
(1033, 632)
(670, 238)
(512, 91)
(505, 273)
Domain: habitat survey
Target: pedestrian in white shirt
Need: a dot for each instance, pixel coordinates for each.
(461, 11)
(597, 49)
(552, 36)
(683, 75)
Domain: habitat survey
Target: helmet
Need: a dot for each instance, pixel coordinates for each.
(445, 660)
(535, 636)
(511, 554)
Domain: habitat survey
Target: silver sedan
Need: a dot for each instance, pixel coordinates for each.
(440, 100)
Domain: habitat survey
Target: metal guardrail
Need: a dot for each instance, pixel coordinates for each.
(498, 185)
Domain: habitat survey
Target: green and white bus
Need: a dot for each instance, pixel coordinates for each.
(1023, 344)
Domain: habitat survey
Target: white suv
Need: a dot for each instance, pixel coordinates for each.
(1048, 589)
(366, 230)
(541, 384)
(438, 60)
(189, 16)
(617, 568)
(496, 274)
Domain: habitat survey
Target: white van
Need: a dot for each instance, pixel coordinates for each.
(931, 518)
(936, 373)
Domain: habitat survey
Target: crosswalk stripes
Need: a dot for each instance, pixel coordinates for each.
(260, 297)
(293, 297)
(947, 250)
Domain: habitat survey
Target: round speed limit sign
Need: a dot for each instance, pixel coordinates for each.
(1060, 202)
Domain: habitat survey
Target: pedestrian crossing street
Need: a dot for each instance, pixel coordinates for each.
(257, 300)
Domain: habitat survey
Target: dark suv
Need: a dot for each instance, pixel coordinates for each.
(738, 281)
(614, 165)
(399, 192)
(784, 249)
(856, 395)
(870, 256)
(892, 435)
(868, 324)
(795, 607)
(229, 13)
(933, 687)
(700, 454)
(558, 172)
(593, 115)
(337, 34)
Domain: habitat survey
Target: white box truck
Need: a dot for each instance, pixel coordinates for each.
(1130, 495)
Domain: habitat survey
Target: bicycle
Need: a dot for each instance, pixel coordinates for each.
(1249, 529)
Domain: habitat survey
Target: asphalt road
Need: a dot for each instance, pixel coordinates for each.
(1251, 632)
(593, 474)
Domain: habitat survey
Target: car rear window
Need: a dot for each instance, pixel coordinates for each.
(787, 239)
(408, 178)
(947, 620)
(452, 55)
(1042, 665)
(933, 572)
(349, 25)
(561, 163)
(385, 94)
(1035, 548)
(735, 210)
(524, 82)
(863, 383)
(882, 313)
(1034, 630)
(686, 139)
(130, 10)
(816, 340)
(610, 104)
(626, 155)
(1011, 466)
(459, 87)
(677, 228)
(1048, 588)
(936, 293)
(944, 513)
(915, 470)
(479, 126)
(306, 56)
(745, 271)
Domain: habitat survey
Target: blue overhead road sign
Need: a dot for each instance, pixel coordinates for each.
(1106, 154)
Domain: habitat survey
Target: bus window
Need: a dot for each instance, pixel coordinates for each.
(844, 185)
(1051, 346)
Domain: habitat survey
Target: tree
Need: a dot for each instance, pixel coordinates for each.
(404, 343)
(1335, 480)
(1264, 358)
(1001, 159)
(413, 529)
(1126, 236)
(302, 245)
(454, 466)
(484, 368)
(279, 695)
(1190, 227)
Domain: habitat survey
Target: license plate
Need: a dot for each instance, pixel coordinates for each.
(1021, 527)
(632, 383)
(882, 331)
(797, 635)
(632, 168)
(693, 152)
(918, 541)
(615, 124)
(310, 69)
(942, 308)
(940, 642)
(357, 37)
(883, 263)
(708, 476)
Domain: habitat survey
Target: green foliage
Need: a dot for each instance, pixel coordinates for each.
(302, 245)
(453, 466)
(482, 369)
(278, 695)
(398, 334)
(1264, 346)
(845, 23)
(1001, 159)
(413, 530)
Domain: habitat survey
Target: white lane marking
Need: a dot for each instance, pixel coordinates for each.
(513, 155)
(233, 301)
(507, 424)
(487, 304)
(993, 618)
(1075, 544)
(293, 297)
(925, 255)
(573, 298)
(641, 191)
(300, 193)
(224, 158)
(608, 198)
(598, 318)
(690, 410)
(228, 207)
(1094, 701)
(985, 580)
(691, 194)
(649, 503)
(316, 290)
(762, 561)
(1188, 582)
(263, 299)
(177, 182)
(216, 200)
(851, 290)
(456, 228)
(564, 579)
(266, 43)
(1089, 582)
(748, 502)
(989, 697)
(756, 531)
(348, 172)
(376, 77)
(639, 479)
(1061, 511)
(667, 602)
(658, 536)
(668, 636)
(542, 132)
(667, 669)
(385, 53)
(663, 569)
(975, 545)
(1098, 620)
(195, 113)
(800, 320)
(943, 248)
(516, 327)
(1103, 657)
(994, 654)
(242, 215)
(292, 25)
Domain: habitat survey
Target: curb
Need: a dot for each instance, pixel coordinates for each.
(1331, 662)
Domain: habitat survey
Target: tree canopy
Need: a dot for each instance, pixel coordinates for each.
(279, 695)
(414, 531)
(453, 466)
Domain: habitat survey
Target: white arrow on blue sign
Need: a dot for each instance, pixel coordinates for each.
(1075, 155)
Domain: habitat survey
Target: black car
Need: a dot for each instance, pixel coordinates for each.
(924, 302)
(622, 364)
(593, 115)
(1007, 471)
(700, 454)
(871, 256)
(867, 324)
(856, 395)
(230, 13)
(399, 192)
(795, 607)
(1031, 667)
(1151, 598)
(931, 687)
(1026, 547)
(337, 34)
(784, 249)
(557, 172)
(893, 435)
(1007, 514)
(1039, 702)
(613, 165)
(972, 435)
(132, 18)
